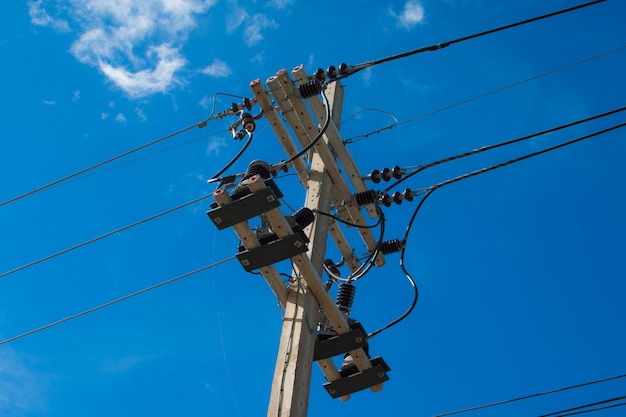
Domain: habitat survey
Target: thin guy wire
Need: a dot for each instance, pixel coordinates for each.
(497, 90)
(90, 241)
(126, 297)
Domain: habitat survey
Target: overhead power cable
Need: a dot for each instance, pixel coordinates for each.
(577, 410)
(430, 190)
(436, 47)
(526, 397)
(92, 167)
(505, 143)
(479, 96)
(90, 241)
(110, 303)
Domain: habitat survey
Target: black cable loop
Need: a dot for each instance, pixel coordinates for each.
(321, 132)
(235, 159)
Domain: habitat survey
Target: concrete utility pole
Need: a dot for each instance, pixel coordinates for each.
(306, 296)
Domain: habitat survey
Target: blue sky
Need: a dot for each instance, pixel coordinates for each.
(520, 270)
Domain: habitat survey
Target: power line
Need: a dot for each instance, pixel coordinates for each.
(525, 397)
(99, 164)
(505, 143)
(110, 303)
(90, 241)
(560, 413)
(488, 93)
(436, 47)
(593, 410)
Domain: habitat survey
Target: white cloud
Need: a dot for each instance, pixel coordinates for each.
(140, 114)
(19, 388)
(76, 95)
(281, 4)
(412, 14)
(253, 28)
(120, 118)
(104, 115)
(136, 44)
(213, 148)
(218, 69)
(40, 17)
(49, 102)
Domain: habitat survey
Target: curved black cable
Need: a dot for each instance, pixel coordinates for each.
(436, 47)
(235, 159)
(320, 133)
(90, 241)
(339, 219)
(431, 189)
(526, 397)
(505, 143)
(107, 304)
(593, 410)
(406, 273)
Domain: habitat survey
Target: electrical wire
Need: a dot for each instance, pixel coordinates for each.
(505, 143)
(236, 158)
(99, 164)
(488, 93)
(431, 189)
(320, 133)
(339, 219)
(593, 410)
(90, 241)
(110, 303)
(525, 397)
(560, 413)
(353, 70)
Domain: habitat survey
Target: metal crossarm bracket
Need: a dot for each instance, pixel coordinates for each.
(245, 208)
(359, 380)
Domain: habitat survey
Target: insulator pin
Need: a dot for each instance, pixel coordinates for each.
(310, 89)
(331, 72)
(391, 246)
(332, 267)
(345, 297)
(304, 217)
(366, 197)
(386, 174)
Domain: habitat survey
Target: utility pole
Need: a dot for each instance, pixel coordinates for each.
(314, 328)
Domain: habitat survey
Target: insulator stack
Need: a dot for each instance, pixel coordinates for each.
(332, 267)
(331, 72)
(304, 217)
(386, 174)
(343, 69)
(397, 197)
(258, 167)
(310, 89)
(391, 246)
(345, 297)
(248, 123)
(366, 197)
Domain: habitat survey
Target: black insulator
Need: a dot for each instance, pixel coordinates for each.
(310, 89)
(391, 246)
(247, 121)
(304, 217)
(366, 197)
(343, 69)
(386, 200)
(397, 172)
(332, 267)
(407, 194)
(386, 174)
(345, 296)
(375, 176)
(258, 167)
(397, 197)
(331, 72)
(248, 103)
(320, 75)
